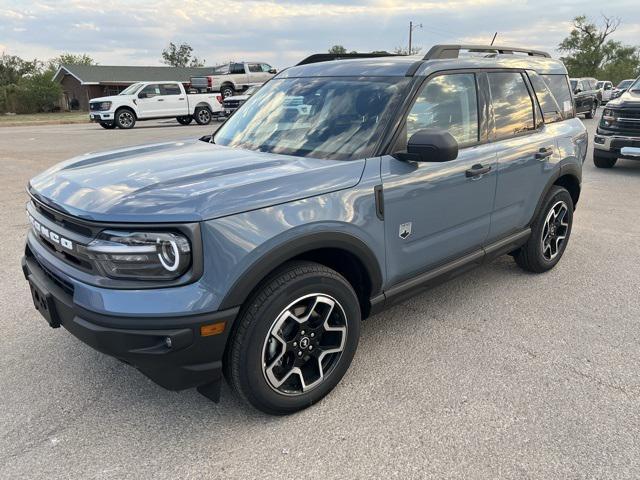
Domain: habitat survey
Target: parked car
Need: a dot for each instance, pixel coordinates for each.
(151, 101)
(618, 128)
(235, 77)
(231, 104)
(621, 88)
(605, 87)
(586, 96)
(344, 188)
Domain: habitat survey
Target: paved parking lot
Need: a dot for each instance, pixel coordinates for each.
(497, 374)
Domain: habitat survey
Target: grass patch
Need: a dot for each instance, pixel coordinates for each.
(43, 118)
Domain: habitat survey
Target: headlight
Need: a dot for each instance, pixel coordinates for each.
(104, 105)
(141, 255)
(607, 112)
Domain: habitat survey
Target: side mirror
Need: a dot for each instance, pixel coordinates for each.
(577, 91)
(273, 71)
(142, 95)
(432, 145)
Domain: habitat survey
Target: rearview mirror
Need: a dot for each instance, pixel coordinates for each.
(142, 95)
(432, 145)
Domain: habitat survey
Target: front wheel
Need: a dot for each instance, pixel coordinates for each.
(295, 338)
(202, 116)
(603, 162)
(550, 233)
(125, 119)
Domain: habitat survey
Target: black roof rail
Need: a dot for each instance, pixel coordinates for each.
(453, 51)
(327, 57)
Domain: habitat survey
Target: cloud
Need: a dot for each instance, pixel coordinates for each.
(283, 32)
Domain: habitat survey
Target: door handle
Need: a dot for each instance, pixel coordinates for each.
(161, 99)
(543, 153)
(181, 98)
(477, 170)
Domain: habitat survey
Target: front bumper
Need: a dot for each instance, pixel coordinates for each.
(98, 116)
(171, 351)
(610, 145)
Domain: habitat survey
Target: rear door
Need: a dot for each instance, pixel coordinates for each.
(240, 75)
(175, 100)
(437, 211)
(526, 150)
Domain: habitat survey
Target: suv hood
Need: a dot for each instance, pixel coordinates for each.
(627, 99)
(185, 181)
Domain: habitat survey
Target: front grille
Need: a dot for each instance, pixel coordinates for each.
(63, 284)
(94, 106)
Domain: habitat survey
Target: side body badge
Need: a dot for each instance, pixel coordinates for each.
(405, 230)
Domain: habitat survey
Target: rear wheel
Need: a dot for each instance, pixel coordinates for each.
(227, 91)
(108, 125)
(550, 233)
(202, 115)
(603, 162)
(125, 119)
(295, 338)
(186, 120)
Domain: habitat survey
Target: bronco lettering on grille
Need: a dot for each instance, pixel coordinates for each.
(54, 237)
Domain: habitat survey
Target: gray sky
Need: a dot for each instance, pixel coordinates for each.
(283, 32)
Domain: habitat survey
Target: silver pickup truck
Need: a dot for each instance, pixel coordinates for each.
(230, 78)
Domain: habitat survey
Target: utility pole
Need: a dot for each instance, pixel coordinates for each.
(411, 28)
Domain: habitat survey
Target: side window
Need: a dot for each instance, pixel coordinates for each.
(265, 67)
(254, 68)
(559, 86)
(151, 90)
(170, 89)
(512, 104)
(237, 68)
(448, 102)
(551, 111)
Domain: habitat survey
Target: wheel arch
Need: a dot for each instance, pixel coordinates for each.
(126, 107)
(343, 252)
(568, 176)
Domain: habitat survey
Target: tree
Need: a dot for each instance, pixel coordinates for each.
(71, 59)
(405, 50)
(592, 53)
(338, 50)
(181, 56)
(13, 68)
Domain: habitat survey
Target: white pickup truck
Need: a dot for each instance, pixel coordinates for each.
(153, 100)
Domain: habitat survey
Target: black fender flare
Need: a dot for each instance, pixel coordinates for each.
(280, 254)
(569, 169)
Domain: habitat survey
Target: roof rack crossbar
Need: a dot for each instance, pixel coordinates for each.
(327, 57)
(453, 51)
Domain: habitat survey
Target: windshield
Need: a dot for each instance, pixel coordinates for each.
(624, 84)
(331, 118)
(131, 89)
(636, 86)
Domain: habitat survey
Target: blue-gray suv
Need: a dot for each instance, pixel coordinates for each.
(340, 188)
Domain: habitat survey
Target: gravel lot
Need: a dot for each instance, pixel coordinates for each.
(497, 374)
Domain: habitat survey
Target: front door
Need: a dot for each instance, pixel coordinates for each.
(152, 102)
(433, 211)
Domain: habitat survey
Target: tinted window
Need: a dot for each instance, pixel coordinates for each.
(151, 90)
(448, 102)
(560, 88)
(171, 89)
(265, 67)
(237, 68)
(551, 110)
(254, 68)
(330, 118)
(512, 105)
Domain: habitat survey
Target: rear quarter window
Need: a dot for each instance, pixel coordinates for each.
(559, 87)
(551, 109)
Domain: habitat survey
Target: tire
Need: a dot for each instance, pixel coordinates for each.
(186, 120)
(603, 162)
(546, 244)
(202, 115)
(108, 125)
(125, 119)
(592, 113)
(227, 91)
(268, 345)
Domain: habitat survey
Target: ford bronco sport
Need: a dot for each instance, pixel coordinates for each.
(340, 188)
